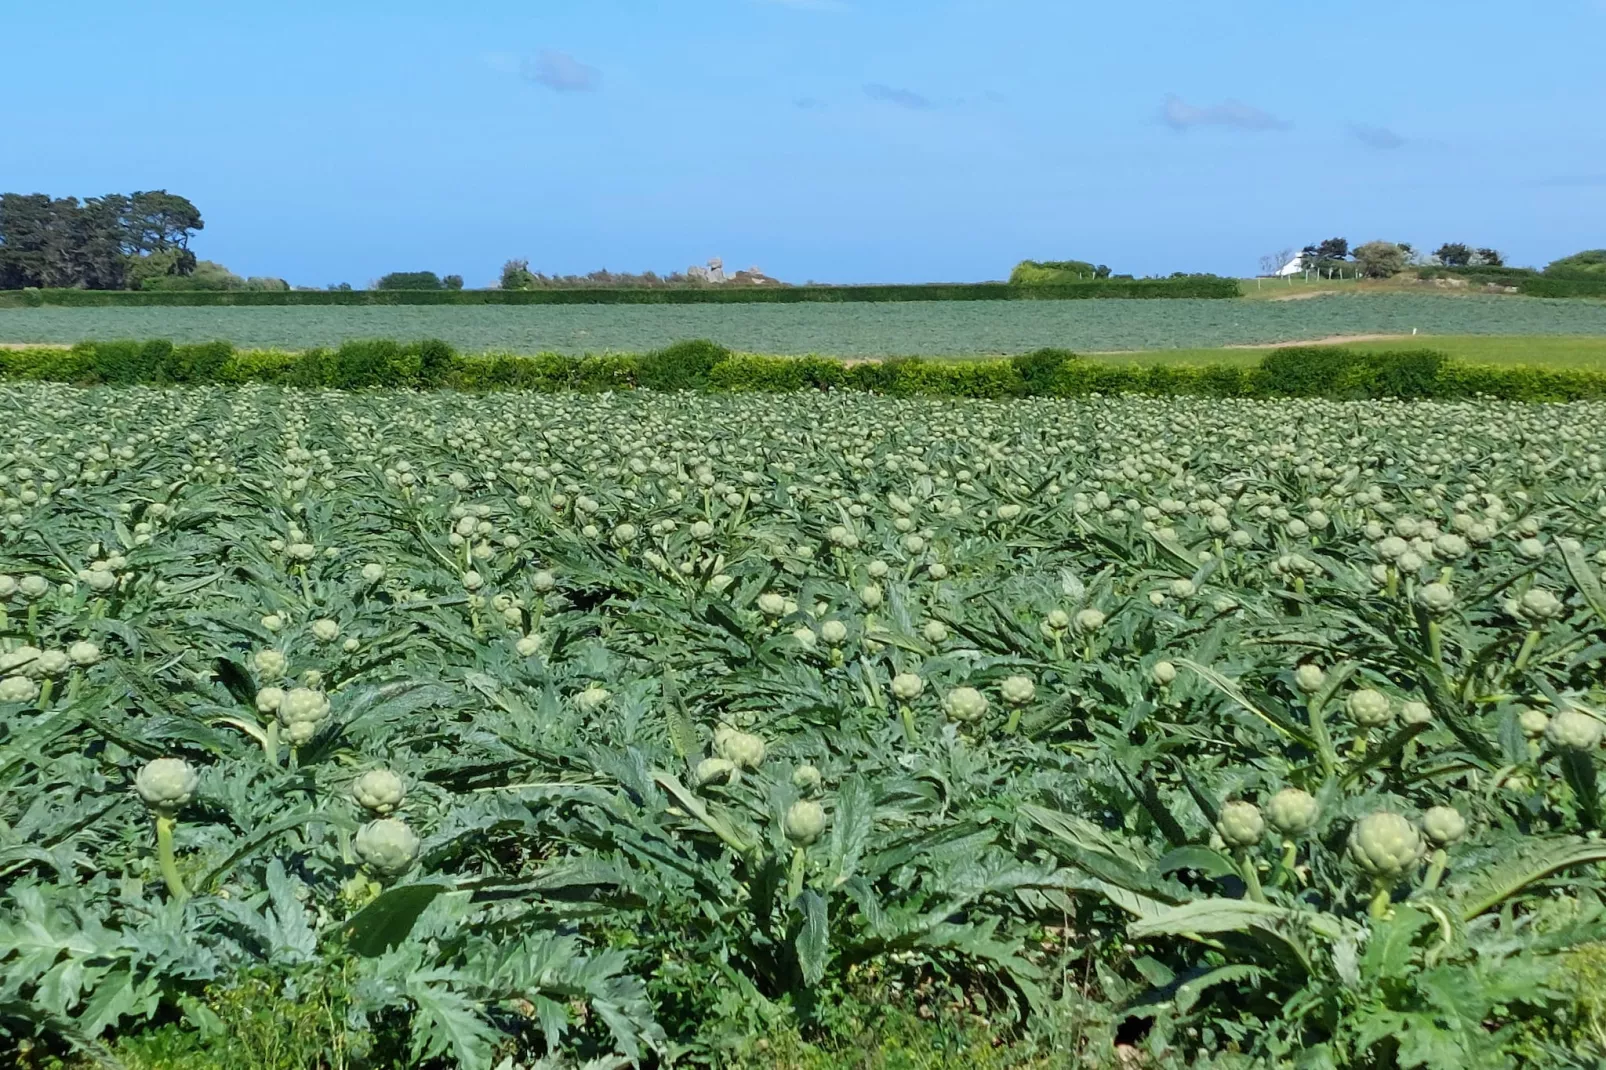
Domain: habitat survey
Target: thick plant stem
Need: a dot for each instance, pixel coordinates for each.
(1381, 897)
(164, 857)
(1324, 742)
(1436, 644)
(794, 884)
(270, 741)
(1527, 650)
(907, 714)
(1436, 864)
(1013, 723)
(1290, 854)
(1246, 866)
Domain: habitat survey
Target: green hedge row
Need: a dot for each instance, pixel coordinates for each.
(1548, 286)
(1314, 371)
(1190, 286)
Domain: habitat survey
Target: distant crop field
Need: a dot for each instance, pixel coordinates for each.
(866, 330)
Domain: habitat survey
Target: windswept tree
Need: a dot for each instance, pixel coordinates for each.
(102, 243)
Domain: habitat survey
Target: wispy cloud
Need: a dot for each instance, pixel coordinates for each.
(809, 104)
(560, 72)
(1179, 115)
(903, 98)
(1377, 137)
(808, 5)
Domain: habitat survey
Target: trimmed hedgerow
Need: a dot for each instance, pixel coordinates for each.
(1316, 371)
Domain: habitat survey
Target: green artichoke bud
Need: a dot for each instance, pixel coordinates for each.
(1385, 845)
(742, 748)
(591, 699)
(1089, 620)
(1018, 690)
(1058, 620)
(1539, 605)
(1309, 678)
(1533, 722)
(1240, 824)
(269, 699)
(1163, 673)
(1443, 825)
(271, 663)
(834, 632)
(24, 659)
(964, 704)
(380, 791)
(1293, 812)
(935, 631)
(34, 586)
(387, 846)
(907, 686)
(302, 712)
(871, 595)
(1416, 713)
(326, 630)
(83, 653)
(1369, 708)
(805, 820)
(543, 581)
(18, 689)
(1436, 598)
(373, 572)
(807, 779)
(771, 604)
(716, 771)
(166, 784)
(1572, 730)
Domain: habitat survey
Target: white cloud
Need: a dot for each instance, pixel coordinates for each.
(1178, 114)
(560, 72)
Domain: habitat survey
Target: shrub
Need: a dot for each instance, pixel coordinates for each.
(1408, 374)
(1591, 263)
(410, 280)
(1306, 371)
(1580, 285)
(1382, 259)
(682, 366)
(1038, 368)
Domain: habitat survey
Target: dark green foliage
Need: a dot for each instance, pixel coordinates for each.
(1305, 371)
(1194, 286)
(1038, 368)
(1590, 263)
(1408, 374)
(681, 366)
(1563, 286)
(411, 280)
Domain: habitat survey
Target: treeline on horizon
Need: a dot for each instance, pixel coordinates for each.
(51, 247)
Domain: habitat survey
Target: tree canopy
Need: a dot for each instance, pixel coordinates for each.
(100, 243)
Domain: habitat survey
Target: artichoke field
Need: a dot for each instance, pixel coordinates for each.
(539, 729)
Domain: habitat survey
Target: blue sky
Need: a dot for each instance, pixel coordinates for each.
(837, 140)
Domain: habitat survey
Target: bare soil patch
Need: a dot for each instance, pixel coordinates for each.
(1330, 340)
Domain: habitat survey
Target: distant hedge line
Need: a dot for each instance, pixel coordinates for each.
(1313, 371)
(1547, 286)
(1191, 286)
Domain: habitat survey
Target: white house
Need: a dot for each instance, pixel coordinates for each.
(1295, 266)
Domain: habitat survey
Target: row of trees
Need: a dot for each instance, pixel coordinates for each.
(1379, 259)
(115, 242)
